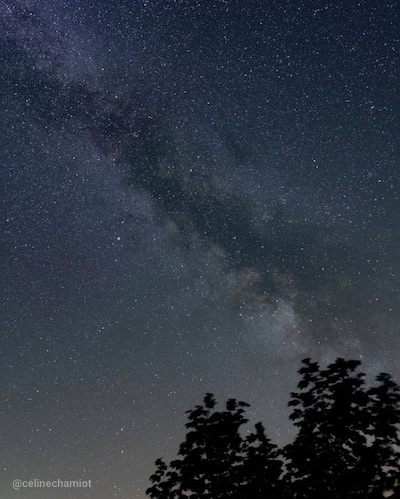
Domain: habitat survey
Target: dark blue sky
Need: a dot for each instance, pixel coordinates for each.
(197, 196)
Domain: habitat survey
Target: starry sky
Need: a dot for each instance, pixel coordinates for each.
(195, 195)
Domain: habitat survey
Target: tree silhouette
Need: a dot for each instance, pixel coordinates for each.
(215, 461)
(164, 483)
(262, 467)
(212, 451)
(331, 414)
(347, 445)
(383, 460)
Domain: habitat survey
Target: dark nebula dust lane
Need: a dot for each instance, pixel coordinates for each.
(195, 196)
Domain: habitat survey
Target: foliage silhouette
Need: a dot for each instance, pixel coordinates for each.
(347, 445)
(383, 458)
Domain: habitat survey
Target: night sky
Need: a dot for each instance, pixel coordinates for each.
(195, 195)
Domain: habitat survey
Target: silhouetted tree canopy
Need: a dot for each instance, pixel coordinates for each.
(347, 444)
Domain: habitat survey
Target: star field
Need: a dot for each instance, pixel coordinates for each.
(195, 196)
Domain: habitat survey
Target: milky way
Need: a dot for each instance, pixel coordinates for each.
(197, 196)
